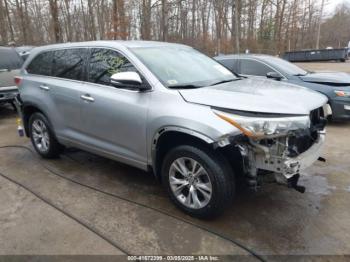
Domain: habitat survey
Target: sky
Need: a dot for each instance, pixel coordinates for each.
(332, 4)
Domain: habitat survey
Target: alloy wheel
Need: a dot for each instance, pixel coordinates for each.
(40, 135)
(190, 183)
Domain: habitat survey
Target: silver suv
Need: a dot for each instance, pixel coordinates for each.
(173, 110)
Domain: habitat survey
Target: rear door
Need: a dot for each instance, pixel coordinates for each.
(114, 118)
(53, 83)
(65, 86)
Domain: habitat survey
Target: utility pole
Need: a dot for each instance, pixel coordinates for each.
(319, 26)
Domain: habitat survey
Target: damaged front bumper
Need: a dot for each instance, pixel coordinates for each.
(289, 166)
(275, 159)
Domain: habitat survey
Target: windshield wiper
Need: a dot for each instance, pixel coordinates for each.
(225, 81)
(189, 86)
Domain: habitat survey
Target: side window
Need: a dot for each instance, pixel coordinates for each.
(104, 63)
(41, 64)
(228, 63)
(69, 63)
(251, 67)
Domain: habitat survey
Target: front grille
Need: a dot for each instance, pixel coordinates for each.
(316, 116)
(304, 139)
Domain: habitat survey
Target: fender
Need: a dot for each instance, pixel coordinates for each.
(180, 129)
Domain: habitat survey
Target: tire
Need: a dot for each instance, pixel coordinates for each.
(216, 171)
(42, 137)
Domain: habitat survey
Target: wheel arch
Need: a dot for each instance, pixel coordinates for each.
(28, 110)
(170, 137)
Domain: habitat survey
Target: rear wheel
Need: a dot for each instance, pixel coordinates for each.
(198, 181)
(42, 136)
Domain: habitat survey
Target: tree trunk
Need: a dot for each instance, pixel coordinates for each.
(194, 6)
(12, 36)
(3, 32)
(163, 21)
(146, 20)
(92, 21)
(20, 15)
(123, 25)
(115, 19)
(55, 21)
(69, 21)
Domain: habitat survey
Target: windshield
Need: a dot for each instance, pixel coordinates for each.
(286, 66)
(183, 67)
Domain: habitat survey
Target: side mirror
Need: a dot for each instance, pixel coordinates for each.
(274, 75)
(126, 79)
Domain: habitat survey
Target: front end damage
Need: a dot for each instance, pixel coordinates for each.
(281, 157)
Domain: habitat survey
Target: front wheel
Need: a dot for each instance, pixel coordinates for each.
(199, 182)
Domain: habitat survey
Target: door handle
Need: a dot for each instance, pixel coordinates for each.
(87, 98)
(44, 87)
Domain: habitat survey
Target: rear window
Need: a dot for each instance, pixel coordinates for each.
(69, 63)
(41, 64)
(9, 59)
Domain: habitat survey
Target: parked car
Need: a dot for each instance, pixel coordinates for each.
(10, 64)
(334, 85)
(171, 109)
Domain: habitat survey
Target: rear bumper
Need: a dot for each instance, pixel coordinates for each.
(8, 94)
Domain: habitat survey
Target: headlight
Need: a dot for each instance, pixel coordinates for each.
(342, 93)
(261, 127)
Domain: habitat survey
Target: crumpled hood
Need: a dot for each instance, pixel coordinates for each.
(337, 78)
(252, 95)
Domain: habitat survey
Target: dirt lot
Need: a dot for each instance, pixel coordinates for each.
(273, 221)
(327, 66)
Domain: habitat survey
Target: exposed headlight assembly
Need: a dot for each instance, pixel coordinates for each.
(265, 127)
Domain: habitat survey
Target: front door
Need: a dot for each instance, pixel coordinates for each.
(114, 118)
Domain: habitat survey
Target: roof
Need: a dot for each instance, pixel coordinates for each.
(110, 43)
(6, 48)
(235, 56)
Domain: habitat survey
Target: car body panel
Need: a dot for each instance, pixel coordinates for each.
(337, 78)
(116, 121)
(253, 95)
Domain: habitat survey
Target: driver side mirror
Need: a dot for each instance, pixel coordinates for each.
(274, 75)
(127, 80)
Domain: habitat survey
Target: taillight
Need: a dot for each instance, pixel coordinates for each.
(18, 80)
